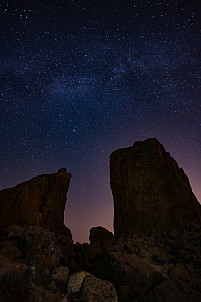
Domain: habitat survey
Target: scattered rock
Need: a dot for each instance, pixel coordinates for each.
(39, 247)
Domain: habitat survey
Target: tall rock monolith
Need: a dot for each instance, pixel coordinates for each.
(151, 193)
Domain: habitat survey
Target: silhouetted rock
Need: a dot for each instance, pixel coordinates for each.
(38, 202)
(151, 194)
(101, 236)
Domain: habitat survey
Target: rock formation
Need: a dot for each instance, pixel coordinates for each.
(151, 193)
(38, 202)
(155, 255)
(101, 236)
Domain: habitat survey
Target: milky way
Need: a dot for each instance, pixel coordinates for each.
(80, 79)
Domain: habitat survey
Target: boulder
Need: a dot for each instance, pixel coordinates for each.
(96, 290)
(173, 290)
(39, 247)
(75, 283)
(60, 277)
(151, 193)
(101, 236)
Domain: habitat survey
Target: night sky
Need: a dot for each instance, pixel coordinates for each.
(80, 79)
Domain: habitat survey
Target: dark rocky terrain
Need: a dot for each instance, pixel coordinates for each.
(154, 256)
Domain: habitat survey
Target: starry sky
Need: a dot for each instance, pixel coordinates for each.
(80, 79)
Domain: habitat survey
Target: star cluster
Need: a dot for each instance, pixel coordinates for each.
(80, 79)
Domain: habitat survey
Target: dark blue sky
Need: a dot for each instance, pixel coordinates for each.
(79, 79)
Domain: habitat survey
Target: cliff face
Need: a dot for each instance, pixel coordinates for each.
(151, 193)
(37, 202)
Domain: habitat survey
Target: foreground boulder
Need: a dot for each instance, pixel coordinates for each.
(39, 247)
(151, 193)
(38, 202)
(85, 287)
(94, 289)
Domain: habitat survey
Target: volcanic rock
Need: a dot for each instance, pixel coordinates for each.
(38, 202)
(151, 193)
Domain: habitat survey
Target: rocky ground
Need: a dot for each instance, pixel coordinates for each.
(146, 267)
(31, 270)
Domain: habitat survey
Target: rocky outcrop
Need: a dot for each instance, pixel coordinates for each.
(151, 193)
(100, 236)
(38, 202)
